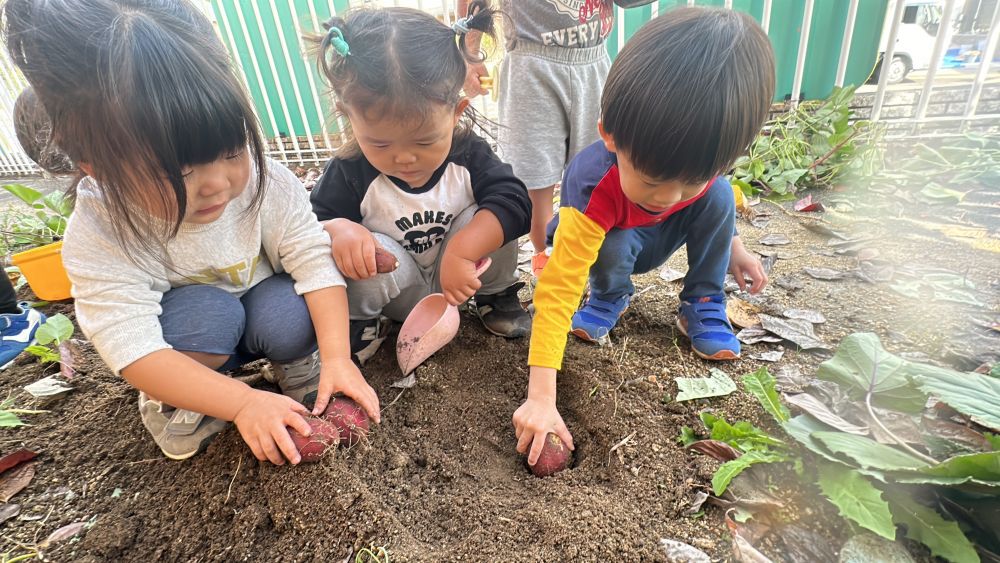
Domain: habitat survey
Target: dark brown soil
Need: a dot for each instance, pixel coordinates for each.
(439, 479)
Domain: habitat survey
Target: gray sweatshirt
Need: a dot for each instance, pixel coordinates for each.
(560, 23)
(118, 302)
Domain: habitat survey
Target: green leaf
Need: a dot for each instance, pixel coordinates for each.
(719, 384)
(944, 538)
(23, 193)
(43, 353)
(994, 441)
(8, 419)
(938, 195)
(868, 453)
(861, 362)
(982, 466)
(761, 384)
(687, 436)
(58, 328)
(56, 224)
(729, 470)
(58, 202)
(742, 435)
(857, 499)
(972, 394)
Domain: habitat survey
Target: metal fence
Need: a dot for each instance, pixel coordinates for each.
(819, 44)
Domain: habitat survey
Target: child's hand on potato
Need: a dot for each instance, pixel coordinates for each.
(353, 249)
(341, 375)
(459, 281)
(532, 423)
(262, 422)
(744, 265)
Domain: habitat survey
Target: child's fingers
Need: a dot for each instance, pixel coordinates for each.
(287, 446)
(322, 396)
(740, 276)
(271, 451)
(368, 248)
(345, 263)
(564, 435)
(524, 441)
(255, 448)
(358, 257)
(536, 446)
(296, 422)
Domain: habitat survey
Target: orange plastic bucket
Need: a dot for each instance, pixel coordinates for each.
(43, 268)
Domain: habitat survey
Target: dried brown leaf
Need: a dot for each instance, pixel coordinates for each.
(715, 449)
(63, 534)
(741, 313)
(17, 458)
(15, 480)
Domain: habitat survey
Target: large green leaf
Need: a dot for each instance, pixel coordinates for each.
(969, 393)
(981, 466)
(57, 328)
(23, 193)
(9, 419)
(868, 453)
(729, 470)
(944, 538)
(861, 363)
(857, 499)
(58, 202)
(761, 384)
(717, 385)
(742, 434)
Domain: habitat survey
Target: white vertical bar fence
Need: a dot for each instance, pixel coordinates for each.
(765, 19)
(310, 78)
(845, 46)
(800, 62)
(303, 114)
(943, 37)
(890, 51)
(984, 65)
(260, 83)
(274, 74)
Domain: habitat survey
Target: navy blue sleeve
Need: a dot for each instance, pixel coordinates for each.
(339, 192)
(496, 188)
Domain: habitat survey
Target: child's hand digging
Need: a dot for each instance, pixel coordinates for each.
(538, 416)
(262, 422)
(744, 265)
(341, 375)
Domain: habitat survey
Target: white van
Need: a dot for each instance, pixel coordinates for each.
(915, 39)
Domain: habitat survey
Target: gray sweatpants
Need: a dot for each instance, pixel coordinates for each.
(394, 294)
(550, 102)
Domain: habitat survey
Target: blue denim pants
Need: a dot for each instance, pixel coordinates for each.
(269, 321)
(707, 228)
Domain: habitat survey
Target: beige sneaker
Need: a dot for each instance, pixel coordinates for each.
(179, 433)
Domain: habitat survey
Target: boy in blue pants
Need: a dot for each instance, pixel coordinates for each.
(685, 97)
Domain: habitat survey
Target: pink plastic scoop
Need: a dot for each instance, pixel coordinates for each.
(430, 325)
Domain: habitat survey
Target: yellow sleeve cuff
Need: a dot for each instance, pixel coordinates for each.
(577, 242)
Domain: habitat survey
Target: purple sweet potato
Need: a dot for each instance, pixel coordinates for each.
(350, 419)
(554, 458)
(324, 436)
(385, 261)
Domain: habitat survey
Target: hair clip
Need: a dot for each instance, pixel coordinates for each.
(460, 26)
(336, 38)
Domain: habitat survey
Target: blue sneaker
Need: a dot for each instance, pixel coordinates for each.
(17, 332)
(594, 321)
(705, 322)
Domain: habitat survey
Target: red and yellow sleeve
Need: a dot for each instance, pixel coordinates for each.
(577, 242)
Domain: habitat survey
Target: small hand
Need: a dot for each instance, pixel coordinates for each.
(353, 249)
(533, 421)
(459, 281)
(744, 265)
(473, 87)
(262, 422)
(341, 375)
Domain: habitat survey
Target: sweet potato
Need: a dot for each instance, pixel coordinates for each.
(324, 436)
(385, 262)
(554, 458)
(350, 419)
